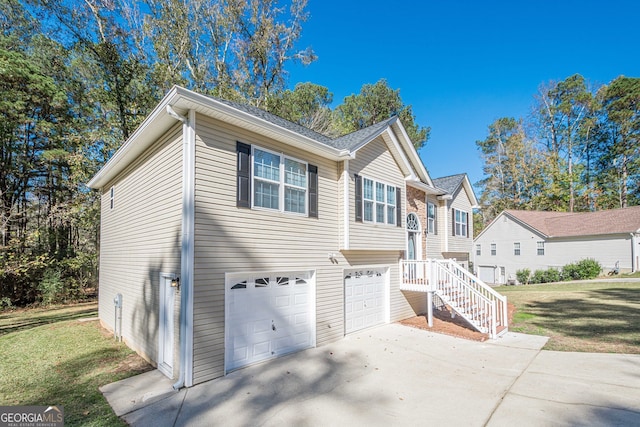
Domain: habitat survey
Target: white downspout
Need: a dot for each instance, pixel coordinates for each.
(187, 251)
(345, 202)
(634, 242)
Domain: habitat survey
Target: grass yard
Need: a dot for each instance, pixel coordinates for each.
(50, 357)
(599, 317)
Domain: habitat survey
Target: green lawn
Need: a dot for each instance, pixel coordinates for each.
(599, 317)
(49, 357)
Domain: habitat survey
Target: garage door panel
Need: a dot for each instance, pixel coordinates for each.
(267, 316)
(364, 298)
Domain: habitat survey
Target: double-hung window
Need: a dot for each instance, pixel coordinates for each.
(540, 248)
(431, 218)
(516, 248)
(479, 250)
(266, 179)
(461, 226)
(270, 180)
(493, 249)
(295, 186)
(379, 202)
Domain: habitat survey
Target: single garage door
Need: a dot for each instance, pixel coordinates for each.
(268, 315)
(487, 273)
(364, 298)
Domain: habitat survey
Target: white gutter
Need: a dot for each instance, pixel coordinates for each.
(345, 201)
(187, 252)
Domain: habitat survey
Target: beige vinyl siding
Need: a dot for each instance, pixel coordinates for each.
(141, 238)
(230, 239)
(461, 202)
(435, 240)
(374, 161)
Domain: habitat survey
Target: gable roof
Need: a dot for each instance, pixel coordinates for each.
(452, 183)
(180, 100)
(571, 224)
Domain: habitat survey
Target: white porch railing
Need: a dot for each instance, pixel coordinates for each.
(467, 295)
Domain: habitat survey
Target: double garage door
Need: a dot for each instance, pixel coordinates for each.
(268, 315)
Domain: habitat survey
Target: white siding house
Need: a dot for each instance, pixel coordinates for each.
(535, 240)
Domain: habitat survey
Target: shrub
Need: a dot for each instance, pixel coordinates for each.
(589, 268)
(51, 286)
(570, 272)
(537, 277)
(551, 275)
(523, 276)
(545, 276)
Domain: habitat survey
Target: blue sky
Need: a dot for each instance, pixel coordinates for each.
(463, 64)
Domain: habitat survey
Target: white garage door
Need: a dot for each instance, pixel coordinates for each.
(364, 298)
(268, 315)
(487, 274)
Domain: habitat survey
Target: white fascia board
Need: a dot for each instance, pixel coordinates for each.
(416, 183)
(183, 100)
(142, 138)
(472, 195)
(405, 161)
(413, 155)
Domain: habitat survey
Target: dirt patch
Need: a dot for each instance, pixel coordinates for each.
(133, 363)
(443, 323)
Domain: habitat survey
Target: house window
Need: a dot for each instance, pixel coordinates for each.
(266, 179)
(295, 186)
(391, 205)
(379, 202)
(272, 172)
(516, 248)
(479, 250)
(461, 224)
(493, 249)
(274, 181)
(540, 248)
(431, 218)
(111, 198)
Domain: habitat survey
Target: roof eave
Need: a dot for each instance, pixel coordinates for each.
(159, 121)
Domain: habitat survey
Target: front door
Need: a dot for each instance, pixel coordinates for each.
(166, 326)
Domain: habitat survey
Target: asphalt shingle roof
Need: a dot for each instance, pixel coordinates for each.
(345, 142)
(449, 183)
(567, 224)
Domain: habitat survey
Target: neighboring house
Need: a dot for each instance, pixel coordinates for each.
(535, 240)
(441, 219)
(234, 236)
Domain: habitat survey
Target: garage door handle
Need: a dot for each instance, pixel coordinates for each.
(273, 326)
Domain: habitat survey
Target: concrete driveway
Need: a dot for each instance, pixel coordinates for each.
(395, 375)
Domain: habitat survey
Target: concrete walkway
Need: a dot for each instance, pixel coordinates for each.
(395, 375)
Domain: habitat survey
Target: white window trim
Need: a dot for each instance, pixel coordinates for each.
(516, 249)
(463, 225)
(494, 249)
(281, 182)
(431, 222)
(540, 246)
(374, 202)
(478, 250)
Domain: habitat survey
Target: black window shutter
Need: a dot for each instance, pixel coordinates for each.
(358, 180)
(243, 175)
(398, 206)
(453, 221)
(467, 225)
(313, 191)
